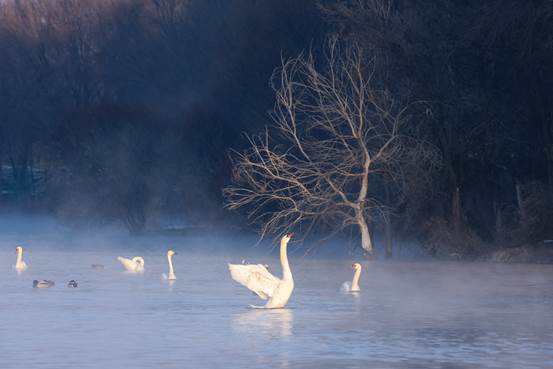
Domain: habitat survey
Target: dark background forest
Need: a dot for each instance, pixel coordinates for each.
(124, 111)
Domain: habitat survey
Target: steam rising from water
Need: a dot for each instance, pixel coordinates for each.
(409, 314)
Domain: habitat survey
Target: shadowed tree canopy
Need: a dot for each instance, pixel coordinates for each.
(124, 111)
(127, 107)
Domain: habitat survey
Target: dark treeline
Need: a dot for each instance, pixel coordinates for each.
(124, 111)
(484, 69)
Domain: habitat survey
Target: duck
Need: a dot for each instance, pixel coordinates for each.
(20, 265)
(134, 265)
(43, 283)
(72, 284)
(256, 278)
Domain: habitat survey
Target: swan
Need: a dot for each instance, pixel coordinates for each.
(135, 265)
(354, 286)
(43, 283)
(171, 276)
(20, 265)
(257, 278)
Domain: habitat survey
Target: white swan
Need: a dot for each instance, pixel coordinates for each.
(354, 286)
(257, 278)
(135, 265)
(20, 265)
(171, 276)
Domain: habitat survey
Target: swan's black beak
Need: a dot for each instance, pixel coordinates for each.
(175, 253)
(290, 234)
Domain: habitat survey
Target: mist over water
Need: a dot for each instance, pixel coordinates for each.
(409, 314)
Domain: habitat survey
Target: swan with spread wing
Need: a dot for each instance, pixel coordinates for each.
(257, 278)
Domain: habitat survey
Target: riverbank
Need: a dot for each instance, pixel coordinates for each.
(536, 253)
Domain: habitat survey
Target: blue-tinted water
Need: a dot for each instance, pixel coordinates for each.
(408, 315)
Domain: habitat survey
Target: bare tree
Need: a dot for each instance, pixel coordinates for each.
(337, 140)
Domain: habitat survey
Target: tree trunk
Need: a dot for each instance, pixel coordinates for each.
(388, 227)
(456, 211)
(499, 228)
(549, 159)
(366, 242)
(521, 209)
(388, 234)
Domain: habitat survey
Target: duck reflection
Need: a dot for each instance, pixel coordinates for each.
(267, 322)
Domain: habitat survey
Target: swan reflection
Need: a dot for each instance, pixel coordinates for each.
(268, 322)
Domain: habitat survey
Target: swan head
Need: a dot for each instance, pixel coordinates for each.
(171, 253)
(287, 237)
(139, 260)
(356, 266)
(18, 250)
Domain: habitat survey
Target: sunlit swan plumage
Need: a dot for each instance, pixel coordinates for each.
(257, 278)
(171, 276)
(20, 265)
(135, 265)
(354, 285)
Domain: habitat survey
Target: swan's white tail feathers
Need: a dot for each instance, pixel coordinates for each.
(346, 287)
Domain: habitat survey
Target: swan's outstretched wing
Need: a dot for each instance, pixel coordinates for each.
(256, 278)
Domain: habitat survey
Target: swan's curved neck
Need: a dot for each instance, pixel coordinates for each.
(170, 261)
(355, 281)
(19, 257)
(286, 272)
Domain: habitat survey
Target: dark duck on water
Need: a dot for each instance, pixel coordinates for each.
(72, 284)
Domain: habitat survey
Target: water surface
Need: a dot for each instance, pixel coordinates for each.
(408, 315)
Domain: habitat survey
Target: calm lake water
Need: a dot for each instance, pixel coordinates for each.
(408, 315)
